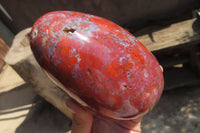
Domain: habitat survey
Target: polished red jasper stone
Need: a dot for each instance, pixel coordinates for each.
(102, 63)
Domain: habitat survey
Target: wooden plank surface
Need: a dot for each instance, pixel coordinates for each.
(3, 50)
(182, 33)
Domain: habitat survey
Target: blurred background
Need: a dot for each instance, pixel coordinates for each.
(23, 13)
(153, 22)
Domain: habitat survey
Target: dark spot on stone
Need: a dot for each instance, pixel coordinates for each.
(67, 30)
(51, 57)
(125, 86)
(89, 72)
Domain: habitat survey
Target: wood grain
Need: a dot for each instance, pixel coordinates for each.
(182, 33)
(3, 50)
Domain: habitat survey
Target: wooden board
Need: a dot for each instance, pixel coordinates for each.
(3, 50)
(178, 34)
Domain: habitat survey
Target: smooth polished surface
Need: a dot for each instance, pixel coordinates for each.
(99, 61)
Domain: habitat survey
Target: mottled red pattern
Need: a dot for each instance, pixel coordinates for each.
(99, 61)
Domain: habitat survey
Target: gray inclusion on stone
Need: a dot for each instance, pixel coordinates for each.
(51, 49)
